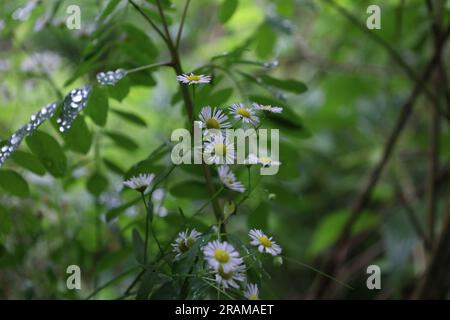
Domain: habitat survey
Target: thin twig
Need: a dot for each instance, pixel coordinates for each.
(338, 253)
(183, 18)
(150, 21)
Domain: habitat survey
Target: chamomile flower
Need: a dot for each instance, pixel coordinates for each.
(213, 119)
(219, 150)
(263, 160)
(267, 108)
(243, 113)
(251, 292)
(184, 241)
(232, 277)
(140, 182)
(193, 79)
(229, 179)
(264, 243)
(221, 255)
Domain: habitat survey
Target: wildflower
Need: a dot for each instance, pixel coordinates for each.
(264, 243)
(219, 150)
(229, 179)
(267, 108)
(230, 278)
(193, 79)
(243, 113)
(184, 241)
(251, 292)
(264, 161)
(140, 182)
(221, 256)
(213, 119)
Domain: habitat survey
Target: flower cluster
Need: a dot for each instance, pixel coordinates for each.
(224, 261)
(218, 147)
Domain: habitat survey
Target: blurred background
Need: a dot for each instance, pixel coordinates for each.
(333, 137)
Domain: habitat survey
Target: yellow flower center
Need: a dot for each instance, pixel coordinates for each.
(193, 77)
(220, 149)
(265, 160)
(212, 124)
(253, 297)
(221, 255)
(186, 245)
(243, 112)
(226, 276)
(265, 241)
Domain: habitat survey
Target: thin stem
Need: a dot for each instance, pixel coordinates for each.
(110, 282)
(183, 18)
(207, 202)
(150, 66)
(146, 228)
(146, 17)
(164, 21)
(318, 271)
(149, 225)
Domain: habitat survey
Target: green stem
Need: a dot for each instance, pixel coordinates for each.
(149, 66)
(318, 271)
(146, 228)
(207, 202)
(110, 282)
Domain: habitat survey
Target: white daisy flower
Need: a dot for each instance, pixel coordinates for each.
(264, 161)
(193, 78)
(213, 119)
(268, 108)
(184, 241)
(264, 243)
(221, 255)
(231, 278)
(229, 179)
(219, 150)
(243, 113)
(251, 292)
(140, 183)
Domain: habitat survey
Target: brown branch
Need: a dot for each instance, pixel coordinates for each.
(435, 283)
(339, 252)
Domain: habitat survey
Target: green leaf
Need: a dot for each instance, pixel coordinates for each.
(227, 9)
(190, 189)
(109, 8)
(5, 221)
(138, 245)
(259, 217)
(265, 40)
(120, 90)
(113, 167)
(97, 184)
(331, 226)
(148, 165)
(79, 138)
(122, 141)
(29, 161)
(97, 107)
(14, 183)
(47, 149)
(131, 117)
(138, 46)
(290, 85)
(149, 280)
